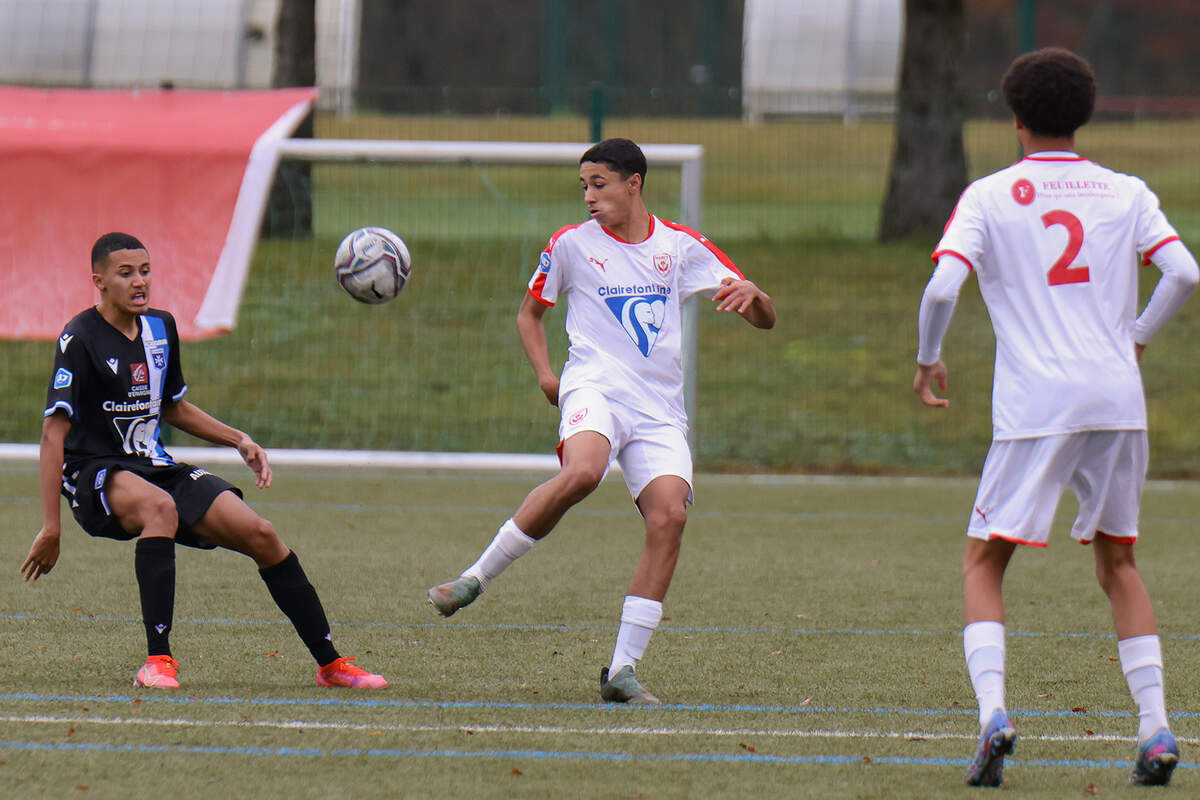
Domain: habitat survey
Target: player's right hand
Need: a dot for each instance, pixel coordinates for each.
(549, 387)
(43, 555)
(927, 375)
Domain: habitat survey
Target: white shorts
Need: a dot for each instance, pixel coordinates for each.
(1023, 480)
(645, 448)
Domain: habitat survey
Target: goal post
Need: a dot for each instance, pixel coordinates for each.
(688, 158)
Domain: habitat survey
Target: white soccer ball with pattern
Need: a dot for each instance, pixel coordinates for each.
(372, 265)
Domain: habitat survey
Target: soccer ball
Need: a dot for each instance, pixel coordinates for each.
(372, 265)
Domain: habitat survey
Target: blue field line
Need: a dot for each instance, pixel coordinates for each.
(546, 755)
(514, 626)
(525, 706)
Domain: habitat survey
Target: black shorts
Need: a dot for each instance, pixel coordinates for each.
(193, 489)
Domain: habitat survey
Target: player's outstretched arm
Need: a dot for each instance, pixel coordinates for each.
(745, 298)
(43, 555)
(532, 329)
(190, 418)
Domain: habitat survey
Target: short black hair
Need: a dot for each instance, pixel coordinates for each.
(620, 155)
(1052, 91)
(110, 243)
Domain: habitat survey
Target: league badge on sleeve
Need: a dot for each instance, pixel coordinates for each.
(62, 378)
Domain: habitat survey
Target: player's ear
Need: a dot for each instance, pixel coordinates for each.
(634, 183)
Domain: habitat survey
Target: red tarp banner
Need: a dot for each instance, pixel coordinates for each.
(186, 172)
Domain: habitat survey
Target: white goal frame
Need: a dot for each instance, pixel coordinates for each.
(689, 158)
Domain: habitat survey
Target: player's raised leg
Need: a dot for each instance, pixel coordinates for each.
(1141, 658)
(984, 563)
(584, 460)
(144, 509)
(232, 524)
(663, 504)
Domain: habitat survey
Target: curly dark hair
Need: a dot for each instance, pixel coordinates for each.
(1052, 91)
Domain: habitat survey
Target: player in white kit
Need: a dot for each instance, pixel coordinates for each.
(1056, 242)
(626, 274)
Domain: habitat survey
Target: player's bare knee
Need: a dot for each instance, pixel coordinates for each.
(159, 514)
(580, 481)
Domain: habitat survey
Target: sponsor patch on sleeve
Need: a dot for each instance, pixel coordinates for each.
(62, 378)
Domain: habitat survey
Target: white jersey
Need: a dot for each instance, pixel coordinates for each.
(1055, 241)
(623, 313)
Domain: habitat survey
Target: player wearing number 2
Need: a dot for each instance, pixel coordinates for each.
(1055, 241)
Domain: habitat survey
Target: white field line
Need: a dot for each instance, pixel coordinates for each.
(791, 733)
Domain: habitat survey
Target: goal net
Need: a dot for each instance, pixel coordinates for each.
(440, 368)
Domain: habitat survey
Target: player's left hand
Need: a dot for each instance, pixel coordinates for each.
(926, 375)
(735, 295)
(256, 459)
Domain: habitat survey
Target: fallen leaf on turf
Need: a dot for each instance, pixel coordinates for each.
(516, 771)
(1114, 660)
(912, 737)
(81, 787)
(801, 616)
(776, 652)
(1044, 695)
(866, 759)
(1079, 710)
(1092, 789)
(468, 732)
(273, 654)
(954, 704)
(746, 747)
(377, 733)
(806, 701)
(70, 731)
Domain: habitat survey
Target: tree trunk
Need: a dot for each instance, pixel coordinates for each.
(929, 165)
(289, 209)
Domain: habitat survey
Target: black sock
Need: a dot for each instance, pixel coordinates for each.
(296, 598)
(154, 565)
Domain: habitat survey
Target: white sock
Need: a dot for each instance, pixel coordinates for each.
(983, 645)
(509, 544)
(1141, 661)
(639, 617)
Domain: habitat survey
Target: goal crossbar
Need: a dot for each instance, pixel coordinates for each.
(689, 158)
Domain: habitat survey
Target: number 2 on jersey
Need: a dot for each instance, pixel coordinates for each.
(1062, 271)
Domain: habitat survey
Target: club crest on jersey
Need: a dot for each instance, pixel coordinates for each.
(65, 340)
(139, 373)
(112, 364)
(62, 378)
(159, 358)
(544, 263)
(662, 263)
(1023, 192)
(641, 316)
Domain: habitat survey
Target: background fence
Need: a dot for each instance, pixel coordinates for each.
(794, 200)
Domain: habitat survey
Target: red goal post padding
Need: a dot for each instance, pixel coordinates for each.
(187, 172)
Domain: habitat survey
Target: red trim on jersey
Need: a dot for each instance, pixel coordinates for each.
(1014, 540)
(1146, 258)
(1036, 157)
(549, 248)
(622, 241)
(712, 248)
(558, 449)
(939, 253)
(535, 292)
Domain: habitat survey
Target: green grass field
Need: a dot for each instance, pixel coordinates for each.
(795, 204)
(810, 648)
